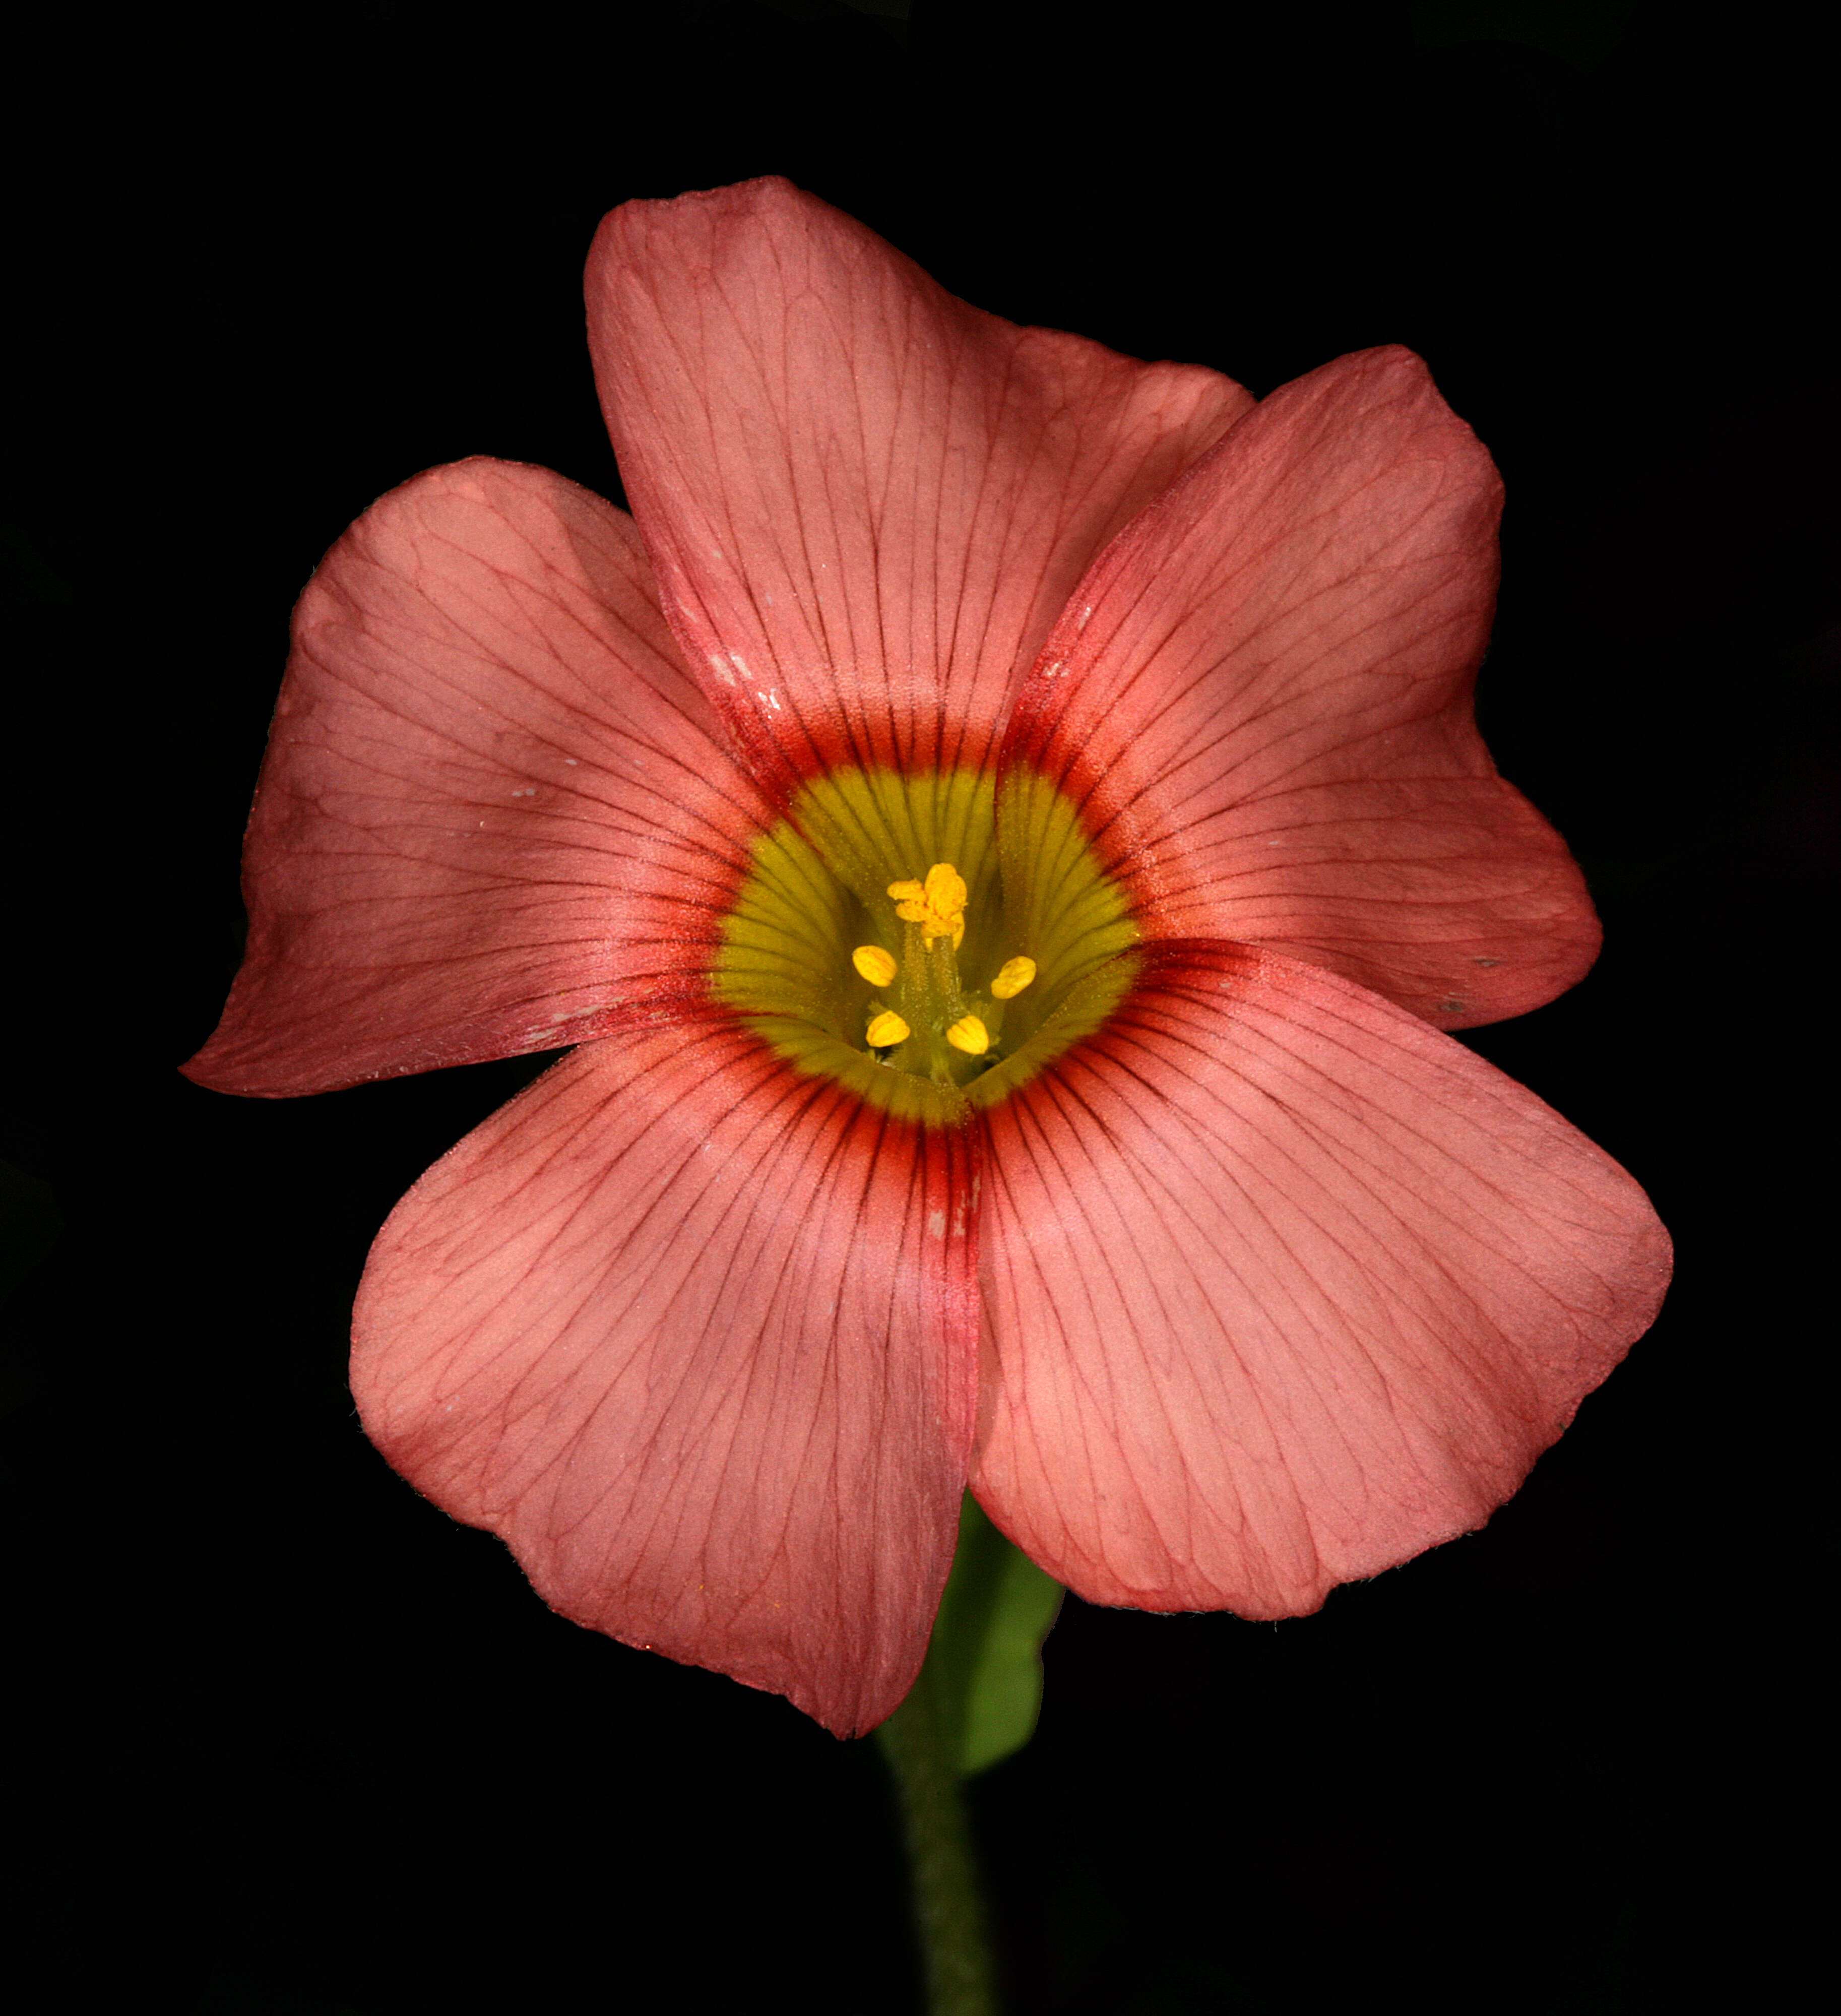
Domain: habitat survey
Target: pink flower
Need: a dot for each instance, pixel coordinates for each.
(1119, 1168)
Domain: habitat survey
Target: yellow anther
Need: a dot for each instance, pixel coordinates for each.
(877, 968)
(937, 905)
(946, 889)
(1013, 976)
(886, 1030)
(969, 1035)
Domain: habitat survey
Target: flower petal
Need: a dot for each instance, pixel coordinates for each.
(494, 816)
(696, 1337)
(1261, 697)
(867, 501)
(1284, 1286)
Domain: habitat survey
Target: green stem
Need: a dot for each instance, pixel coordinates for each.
(919, 1742)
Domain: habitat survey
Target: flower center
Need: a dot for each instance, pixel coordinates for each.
(924, 987)
(924, 938)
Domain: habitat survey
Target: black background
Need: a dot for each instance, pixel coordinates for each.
(314, 1751)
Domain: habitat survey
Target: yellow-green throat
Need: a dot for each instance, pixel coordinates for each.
(931, 941)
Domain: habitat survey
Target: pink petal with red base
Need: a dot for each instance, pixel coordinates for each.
(1284, 1286)
(494, 816)
(1261, 697)
(697, 1337)
(867, 501)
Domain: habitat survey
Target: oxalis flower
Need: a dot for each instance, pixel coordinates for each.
(1003, 828)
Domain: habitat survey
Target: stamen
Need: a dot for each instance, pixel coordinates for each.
(878, 968)
(946, 889)
(1013, 976)
(969, 1035)
(886, 1030)
(937, 905)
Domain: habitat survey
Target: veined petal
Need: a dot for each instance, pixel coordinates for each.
(867, 502)
(1261, 698)
(1283, 1287)
(494, 816)
(696, 1336)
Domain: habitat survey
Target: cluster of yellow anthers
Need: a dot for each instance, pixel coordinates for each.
(938, 906)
